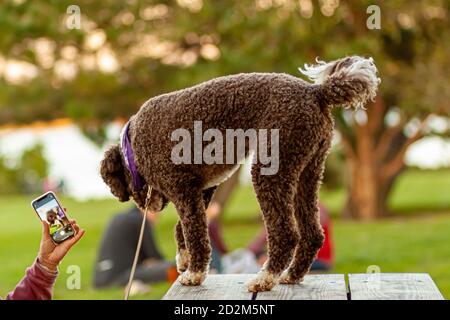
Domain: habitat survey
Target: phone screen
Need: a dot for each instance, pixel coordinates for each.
(49, 210)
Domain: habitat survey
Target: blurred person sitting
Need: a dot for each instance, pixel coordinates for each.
(251, 258)
(117, 250)
(40, 277)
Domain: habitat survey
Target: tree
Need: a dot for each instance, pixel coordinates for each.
(168, 45)
(411, 50)
(27, 174)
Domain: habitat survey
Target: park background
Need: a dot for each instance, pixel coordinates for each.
(65, 93)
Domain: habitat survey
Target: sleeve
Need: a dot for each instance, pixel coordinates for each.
(36, 285)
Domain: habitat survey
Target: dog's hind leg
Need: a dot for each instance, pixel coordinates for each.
(191, 210)
(275, 194)
(182, 257)
(307, 217)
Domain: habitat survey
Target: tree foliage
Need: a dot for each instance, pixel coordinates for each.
(27, 174)
(161, 46)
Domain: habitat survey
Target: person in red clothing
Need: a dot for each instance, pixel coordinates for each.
(37, 284)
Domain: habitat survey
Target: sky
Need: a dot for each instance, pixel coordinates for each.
(76, 159)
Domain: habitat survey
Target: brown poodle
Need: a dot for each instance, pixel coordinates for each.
(300, 111)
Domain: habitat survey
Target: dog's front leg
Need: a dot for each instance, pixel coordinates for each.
(191, 209)
(182, 257)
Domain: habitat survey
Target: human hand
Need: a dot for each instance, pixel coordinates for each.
(51, 254)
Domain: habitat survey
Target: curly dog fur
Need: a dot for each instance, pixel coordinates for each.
(300, 110)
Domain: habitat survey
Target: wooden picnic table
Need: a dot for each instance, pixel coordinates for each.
(365, 286)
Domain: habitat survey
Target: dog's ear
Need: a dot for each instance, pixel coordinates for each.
(113, 173)
(157, 201)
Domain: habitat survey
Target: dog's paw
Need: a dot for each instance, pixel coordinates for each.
(286, 278)
(264, 281)
(182, 260)
(190, 278)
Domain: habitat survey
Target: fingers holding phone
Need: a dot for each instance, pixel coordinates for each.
(59, 233)
(50, 253)
(78, 234)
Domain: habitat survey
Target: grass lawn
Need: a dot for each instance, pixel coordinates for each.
(415, 191)
(398, 244)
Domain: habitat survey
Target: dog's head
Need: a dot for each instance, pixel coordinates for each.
(118, 179)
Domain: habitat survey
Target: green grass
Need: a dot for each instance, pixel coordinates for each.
(418, 191)
(415, 191)
(399, 244)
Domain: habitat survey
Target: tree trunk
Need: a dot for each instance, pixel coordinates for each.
(375, 156)
(366, 199)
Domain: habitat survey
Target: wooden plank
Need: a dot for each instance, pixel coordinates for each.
(313, 287)
(393, 286)
(215, 287)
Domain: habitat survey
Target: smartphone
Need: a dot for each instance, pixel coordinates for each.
(49, 209)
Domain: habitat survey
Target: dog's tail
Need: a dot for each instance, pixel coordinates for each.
(351, 81)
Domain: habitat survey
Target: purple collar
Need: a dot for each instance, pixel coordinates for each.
(127, 152)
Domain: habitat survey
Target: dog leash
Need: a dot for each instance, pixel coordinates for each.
(139, 245)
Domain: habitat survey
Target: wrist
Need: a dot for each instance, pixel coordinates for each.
(47, 264)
